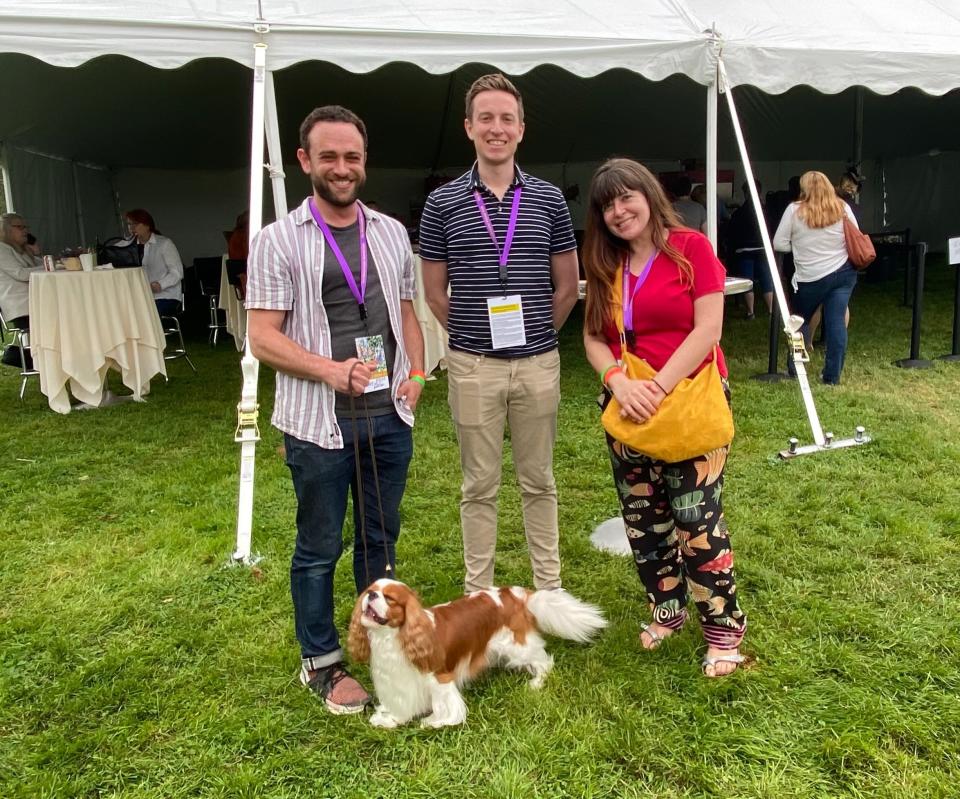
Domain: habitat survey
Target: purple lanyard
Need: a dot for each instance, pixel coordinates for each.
(338, 254)
(503, 254)
(628, 302)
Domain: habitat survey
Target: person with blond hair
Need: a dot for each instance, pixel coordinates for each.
(812, 229)
(671, 295)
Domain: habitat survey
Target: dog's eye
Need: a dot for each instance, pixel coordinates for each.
(390, 600)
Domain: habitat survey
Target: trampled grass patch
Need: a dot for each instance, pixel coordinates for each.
(135, 662)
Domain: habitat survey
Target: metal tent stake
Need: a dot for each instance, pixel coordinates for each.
(792, 323)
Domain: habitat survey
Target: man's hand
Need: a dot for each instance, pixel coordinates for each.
(409, 393)
(351, 376)
(155, 287)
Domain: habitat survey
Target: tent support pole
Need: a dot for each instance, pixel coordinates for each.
(248, 432)
(858, 128)
(7, 188)
(712, 163)
(275, 167)
(81, 228)
(792, 324)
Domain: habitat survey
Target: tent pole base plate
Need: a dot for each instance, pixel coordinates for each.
(860, 437)
(913, 363)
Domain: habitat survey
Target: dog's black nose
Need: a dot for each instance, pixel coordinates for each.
(372, 594)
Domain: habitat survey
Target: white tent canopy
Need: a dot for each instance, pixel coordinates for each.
(773, 45)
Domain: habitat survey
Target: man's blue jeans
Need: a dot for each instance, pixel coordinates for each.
(321, 479)
(833, 292)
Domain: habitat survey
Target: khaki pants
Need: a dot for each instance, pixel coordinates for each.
(484, 394)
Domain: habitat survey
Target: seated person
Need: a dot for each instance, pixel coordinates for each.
(16, 264)
(160, 259)
(238, 240)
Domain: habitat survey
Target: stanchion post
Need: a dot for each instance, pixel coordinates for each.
(919, 257)
(953, 253)
(773, 374)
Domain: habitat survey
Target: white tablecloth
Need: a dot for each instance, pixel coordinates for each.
(434, 336)
(737, 285)
(84, 323)
(232, 308)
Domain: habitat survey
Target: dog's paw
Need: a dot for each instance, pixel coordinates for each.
(435, 722)
(381, 718)
(537, 682)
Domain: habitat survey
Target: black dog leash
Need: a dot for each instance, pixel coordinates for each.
(376, 476)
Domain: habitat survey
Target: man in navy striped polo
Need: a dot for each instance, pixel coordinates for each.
(502, 241)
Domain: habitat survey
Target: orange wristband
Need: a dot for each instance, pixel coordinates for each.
(610, 370)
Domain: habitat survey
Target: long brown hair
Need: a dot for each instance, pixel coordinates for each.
(603, 252)
(819, 205)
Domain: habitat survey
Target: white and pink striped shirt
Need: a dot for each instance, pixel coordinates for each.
(285, 273)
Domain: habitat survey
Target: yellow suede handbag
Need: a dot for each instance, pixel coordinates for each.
(693, 419)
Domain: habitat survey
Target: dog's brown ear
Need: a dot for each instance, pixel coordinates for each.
(358, 644)
(418, 637)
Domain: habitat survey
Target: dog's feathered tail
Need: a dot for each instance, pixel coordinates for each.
(558, 613)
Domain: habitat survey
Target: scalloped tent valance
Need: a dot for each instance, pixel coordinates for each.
(883, 45)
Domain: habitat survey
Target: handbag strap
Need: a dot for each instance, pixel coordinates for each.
(618, 282)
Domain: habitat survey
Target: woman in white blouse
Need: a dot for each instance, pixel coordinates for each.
(160, 259)
(812, 228)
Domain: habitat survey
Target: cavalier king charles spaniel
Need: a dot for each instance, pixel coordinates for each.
(419, 657)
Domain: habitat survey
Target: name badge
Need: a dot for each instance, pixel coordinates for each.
(370, 350)
(506, 321)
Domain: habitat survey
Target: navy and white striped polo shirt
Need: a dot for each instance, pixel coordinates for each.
(452, 230)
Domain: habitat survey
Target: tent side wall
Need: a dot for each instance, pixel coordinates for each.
(52, 193)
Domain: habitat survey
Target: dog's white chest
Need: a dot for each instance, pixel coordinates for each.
(401, 688)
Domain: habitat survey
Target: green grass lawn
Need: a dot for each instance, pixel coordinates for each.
(136, 662)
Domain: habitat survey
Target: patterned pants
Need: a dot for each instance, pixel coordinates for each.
(674, 520)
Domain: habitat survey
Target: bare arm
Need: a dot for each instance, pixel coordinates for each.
(409, 390)
(707, 328)
(269, 345)
(639, 399)
(435, 289)
(565, 272)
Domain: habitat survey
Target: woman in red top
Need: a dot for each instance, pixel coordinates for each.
(674, 304)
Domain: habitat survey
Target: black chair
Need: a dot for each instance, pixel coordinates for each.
(207, 271)
(172, 332)
(237, 276)
(21, 340)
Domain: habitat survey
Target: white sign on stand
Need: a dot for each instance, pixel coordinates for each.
(953, 247)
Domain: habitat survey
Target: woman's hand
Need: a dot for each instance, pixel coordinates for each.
(639, 399)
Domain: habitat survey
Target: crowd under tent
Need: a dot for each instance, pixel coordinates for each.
(117, 105)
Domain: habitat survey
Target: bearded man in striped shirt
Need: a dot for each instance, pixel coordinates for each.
(330, 291)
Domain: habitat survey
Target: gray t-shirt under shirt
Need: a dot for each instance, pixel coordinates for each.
(343, 313)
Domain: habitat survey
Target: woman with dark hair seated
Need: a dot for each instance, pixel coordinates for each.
(160, 259)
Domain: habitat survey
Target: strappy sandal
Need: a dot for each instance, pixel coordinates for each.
(655, 638)
(713, 661)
